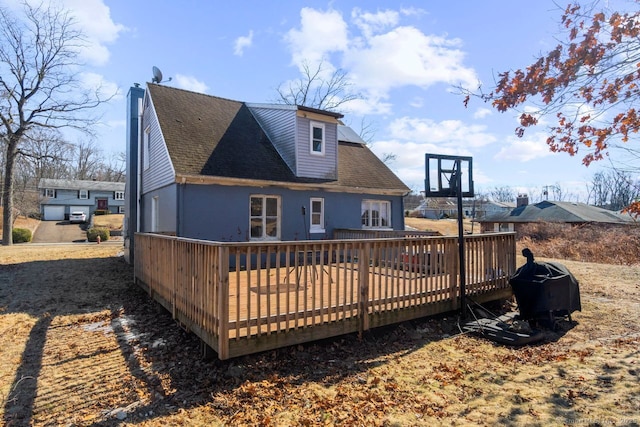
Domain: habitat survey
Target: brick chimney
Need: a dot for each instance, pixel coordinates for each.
(522, 200)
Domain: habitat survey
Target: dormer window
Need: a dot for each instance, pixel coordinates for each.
(317, 138)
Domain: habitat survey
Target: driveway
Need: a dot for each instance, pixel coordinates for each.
(59, 232)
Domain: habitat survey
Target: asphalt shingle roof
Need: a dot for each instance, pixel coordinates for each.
(76, 184)
(554, 211)
(212, 136)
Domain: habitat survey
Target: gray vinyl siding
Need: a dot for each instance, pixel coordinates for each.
(221, 213)
(161, 171)
(280, 126)
(314, 166)
(167, 203)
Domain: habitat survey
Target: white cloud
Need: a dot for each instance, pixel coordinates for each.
(378, 53)
(373, 23)
(417, 102)
(319, 33)
(93, 18)
(449, 134)
(241, 43)
(410, 138)
(96, 83)
(190, 83)
(481, 113)
(532, 146)
(405, 56)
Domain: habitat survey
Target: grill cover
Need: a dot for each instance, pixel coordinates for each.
(545, 290)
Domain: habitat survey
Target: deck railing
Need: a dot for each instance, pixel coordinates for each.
(246, 297)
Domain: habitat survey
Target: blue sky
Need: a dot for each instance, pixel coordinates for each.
(404, 57)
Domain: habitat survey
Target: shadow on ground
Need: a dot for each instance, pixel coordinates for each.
(101, 352)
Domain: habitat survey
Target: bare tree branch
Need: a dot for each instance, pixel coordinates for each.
(39, 85)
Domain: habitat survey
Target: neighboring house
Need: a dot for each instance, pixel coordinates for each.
(437, 208)
(552, 211)
(482, 208)
(60, 197)
(216, 169)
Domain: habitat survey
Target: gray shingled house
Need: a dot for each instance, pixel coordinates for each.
(60, 197)
(205, 167)
(552, 211)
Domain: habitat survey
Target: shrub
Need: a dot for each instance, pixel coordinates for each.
(21, 235)
(93, 233)
(101, 212)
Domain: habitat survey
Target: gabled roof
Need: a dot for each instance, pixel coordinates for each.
(75, 184)
(553, 211)
(216, 137)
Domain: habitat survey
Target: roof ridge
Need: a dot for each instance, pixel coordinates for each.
(196, 93)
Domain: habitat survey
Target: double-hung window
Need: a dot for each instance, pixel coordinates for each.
(317, 138)
(50, 193)
(118, 195)
(317, 215)
(83, 194)
(376, 214)
(146, 148)
(264, 217)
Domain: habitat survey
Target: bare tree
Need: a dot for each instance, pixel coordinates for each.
(502, 194)
(113, 169)
(88, 160)
(613, 189)
(46, 155)
(40, 85)
(599, 190)
(316, 89)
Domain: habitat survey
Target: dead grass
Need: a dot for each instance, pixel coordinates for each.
(590, 243)
(82, 345)
(111, 221)
(446, 227)
(21, 222)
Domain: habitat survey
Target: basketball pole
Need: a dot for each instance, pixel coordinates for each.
(463, 278)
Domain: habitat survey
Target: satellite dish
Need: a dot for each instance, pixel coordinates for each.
(157, 75)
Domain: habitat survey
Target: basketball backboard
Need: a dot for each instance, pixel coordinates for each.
(442, 172)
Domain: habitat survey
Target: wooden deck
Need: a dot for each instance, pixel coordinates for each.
(241, 298)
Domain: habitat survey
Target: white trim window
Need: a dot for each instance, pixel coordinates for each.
(146, 147)
(316, 138)
(317, 215)
(264, 217)
(83, 194)
(50, 193)
(118, 195)
(376, 214)
(121, 209)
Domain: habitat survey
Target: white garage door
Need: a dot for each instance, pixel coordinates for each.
(53, 213)
(84, 209)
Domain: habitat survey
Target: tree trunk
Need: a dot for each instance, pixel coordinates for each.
(7, 194)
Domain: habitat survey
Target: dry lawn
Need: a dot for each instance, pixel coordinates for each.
(21, 222)
(81, 345)
(111, 221)
(446, 227)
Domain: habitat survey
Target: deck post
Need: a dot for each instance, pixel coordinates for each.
(223, 303)
(363, 285)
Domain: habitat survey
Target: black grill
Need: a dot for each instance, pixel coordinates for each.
(545, 291)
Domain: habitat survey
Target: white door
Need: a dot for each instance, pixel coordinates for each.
(53, 213)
